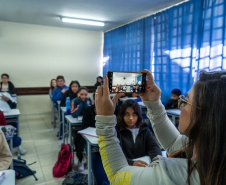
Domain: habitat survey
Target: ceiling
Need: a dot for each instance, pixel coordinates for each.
(48, 12)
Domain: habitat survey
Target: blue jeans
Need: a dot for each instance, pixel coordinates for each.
(98, 169)
(16, 141)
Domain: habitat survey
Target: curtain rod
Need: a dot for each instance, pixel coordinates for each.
(147, 15)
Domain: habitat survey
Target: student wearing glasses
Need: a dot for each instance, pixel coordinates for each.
(201, 138)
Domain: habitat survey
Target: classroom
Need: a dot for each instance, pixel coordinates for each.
(182, 44)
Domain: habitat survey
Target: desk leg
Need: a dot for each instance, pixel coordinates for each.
(89, 163)
(18, 126)
(63, 126)
(66, 133)
(69, 132)
(59, 118)
(11, 148)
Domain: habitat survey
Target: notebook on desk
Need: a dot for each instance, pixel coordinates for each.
(90, 131)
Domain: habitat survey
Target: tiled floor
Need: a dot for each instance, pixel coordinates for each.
(42, 145)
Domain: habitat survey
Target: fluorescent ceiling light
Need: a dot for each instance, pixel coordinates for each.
(82, 21)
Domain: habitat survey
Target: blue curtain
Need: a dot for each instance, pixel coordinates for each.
(212, 44)
(130, 47)
(175, 47)
(174, 44)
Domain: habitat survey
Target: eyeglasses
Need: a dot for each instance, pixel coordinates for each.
(182, 101)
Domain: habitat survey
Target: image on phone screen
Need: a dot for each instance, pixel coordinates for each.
(126, 82)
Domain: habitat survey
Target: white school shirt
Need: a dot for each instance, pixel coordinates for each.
(5, 87)
(134, 132)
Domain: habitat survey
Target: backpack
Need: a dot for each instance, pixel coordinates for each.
(65, 161)
(2, 119)
(76, 178)
(8, 130)
(22, 170)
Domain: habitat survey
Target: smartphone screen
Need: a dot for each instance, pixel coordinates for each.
(126, 82)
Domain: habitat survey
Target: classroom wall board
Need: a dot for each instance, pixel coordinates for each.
(32, 54)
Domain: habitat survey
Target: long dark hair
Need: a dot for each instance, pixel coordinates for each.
(122, 111)
(74, 82)
(82, 88)
(207, 129)
(51, 86)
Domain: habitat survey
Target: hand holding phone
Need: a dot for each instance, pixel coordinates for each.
(126, 82)
(152, 91)
(103, 103)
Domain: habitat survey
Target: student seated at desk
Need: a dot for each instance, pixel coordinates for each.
(53, 85)
(98, 83)
(60, 90)
(172, 103)
(80, 104)
(5, 154)
(6, 85)
(16, 139)
(134, 136)
(71, 92)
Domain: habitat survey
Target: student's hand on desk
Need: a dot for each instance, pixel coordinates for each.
(152, 91)
(140, 163)
(103, 103)
(5, 98)
(63, 90)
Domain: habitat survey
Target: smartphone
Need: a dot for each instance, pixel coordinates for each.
(126, 82)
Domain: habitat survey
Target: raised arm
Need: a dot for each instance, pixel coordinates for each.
(114, 161)
(165, 131)
(167, 135)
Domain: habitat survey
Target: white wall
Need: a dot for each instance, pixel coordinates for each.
(36, 104)
(33, 54)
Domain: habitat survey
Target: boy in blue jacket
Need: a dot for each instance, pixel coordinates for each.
(60, 90)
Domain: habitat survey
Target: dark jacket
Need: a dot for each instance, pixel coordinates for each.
(12, 105)
(68, 93)
(171, 104)
(11, 88)
(78, 106)
(145, 144)
(87, 121)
